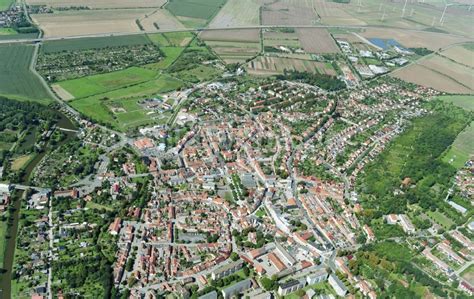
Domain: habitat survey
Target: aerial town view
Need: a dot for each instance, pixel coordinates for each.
(217, 149)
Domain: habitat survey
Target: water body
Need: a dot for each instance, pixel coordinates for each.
(6, 276)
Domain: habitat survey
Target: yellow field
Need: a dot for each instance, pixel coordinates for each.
(415, 39)
(99, 3)
(421, 75)
(237, 13)
(87, 22)
(460, 55)
(163, 18)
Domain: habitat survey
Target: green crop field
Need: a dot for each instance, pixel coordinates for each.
(199, 9)
(16, 79)
(5, 4)
(97, 84)
(99, 107)
(466, 102)
(462, 148)
(94, 43)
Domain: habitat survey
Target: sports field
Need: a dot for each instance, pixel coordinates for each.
(98, 84)
(16, 79)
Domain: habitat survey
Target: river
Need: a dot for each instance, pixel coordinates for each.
(5, 278)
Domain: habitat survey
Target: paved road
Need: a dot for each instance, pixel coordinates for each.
(43, 39)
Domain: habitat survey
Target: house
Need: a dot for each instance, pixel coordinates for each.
(237, 288)
(227, 270)
(211, 295)
(337, 285)
(290, 287)
(317, 277)
(114, 227)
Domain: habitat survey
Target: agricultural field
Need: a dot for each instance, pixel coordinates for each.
(462, 148)
(414, 39)
(194, 12)
(160, 19)
(421, 75)
(98, 3)
(267, 65)
(233, 46)
(439, 73)
(455, 71)
(237, 13)
(88, 22)
(119, 108)
(94, 43)
(466, 102)
(172, 39)
(99, 84)
(332, 13)
(289, 12)
(460, 54)
(317, 40)
(16, 78)
(5, 4)
(418, 15)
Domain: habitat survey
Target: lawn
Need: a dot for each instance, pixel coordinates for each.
(16, 79)
(462, 148)
(98, 107)
(463, 101)
(440, 219)
(98, 84)
(199, 9)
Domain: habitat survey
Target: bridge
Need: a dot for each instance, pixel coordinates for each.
(68, 130)
(25, 187)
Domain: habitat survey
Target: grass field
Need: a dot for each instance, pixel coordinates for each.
(16, 79)
(198, 9)
(468, 274)
(462, 148)
(97, 84)
(440, 219)
(5, 4)
(7, 31)
(171, 54)
(99, 107)
(20, 162)
(93, 43)
(3, 243)
(172, 39)
(466, 102)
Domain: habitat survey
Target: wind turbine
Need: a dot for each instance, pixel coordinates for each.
(404, 7)
(441, 20)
